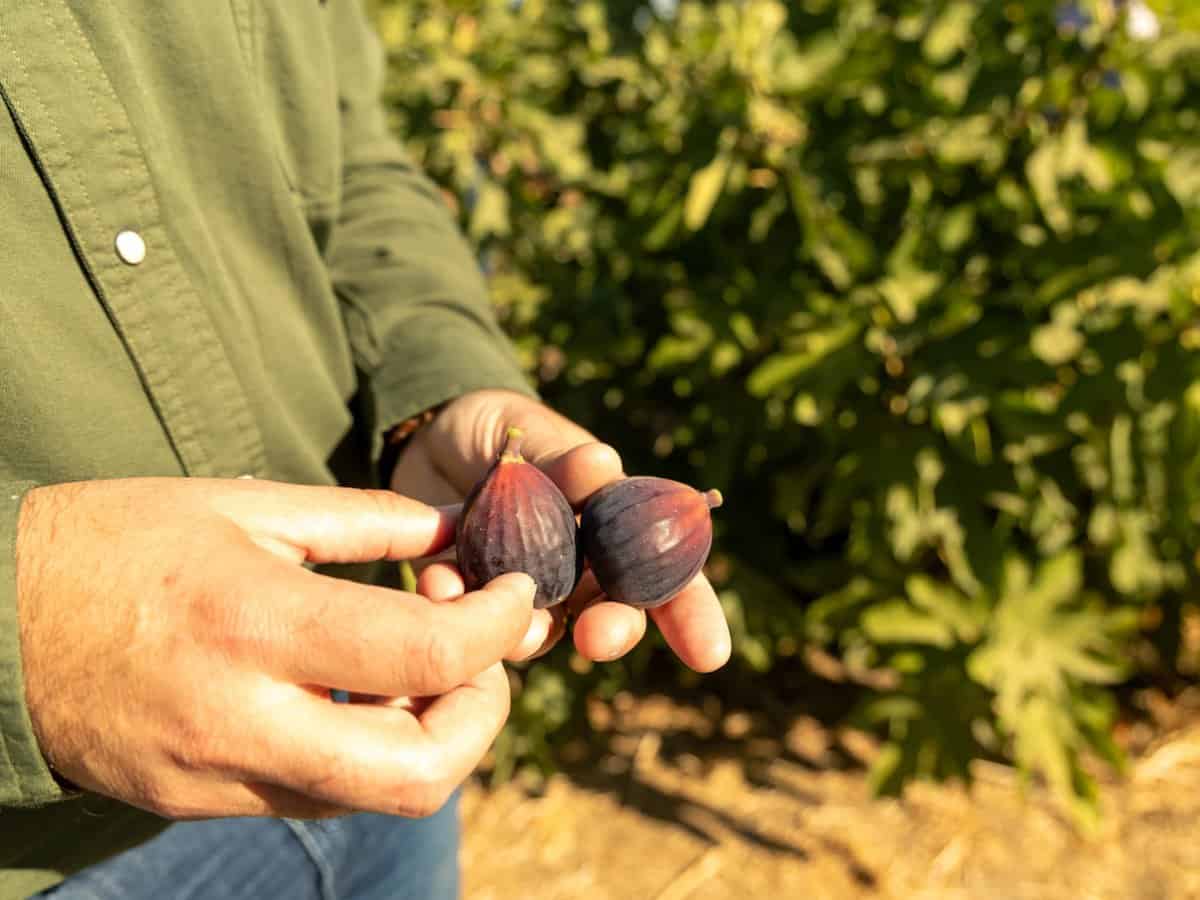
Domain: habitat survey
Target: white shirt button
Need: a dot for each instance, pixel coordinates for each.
(130, 247)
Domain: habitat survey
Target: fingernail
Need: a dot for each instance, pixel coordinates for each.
(535, 634)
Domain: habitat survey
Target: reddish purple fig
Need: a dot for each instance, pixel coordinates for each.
(646, 538)
(517, 520)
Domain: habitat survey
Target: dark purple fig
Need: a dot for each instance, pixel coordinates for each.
(517, 520)
(646, 538)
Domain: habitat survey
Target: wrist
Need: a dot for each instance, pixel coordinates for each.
(396, 438)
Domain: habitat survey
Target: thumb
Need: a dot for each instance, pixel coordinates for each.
(463, 441)
(334, 524)
(570, 456)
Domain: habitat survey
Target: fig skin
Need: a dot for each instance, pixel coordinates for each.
(646, 538)
(517, 520)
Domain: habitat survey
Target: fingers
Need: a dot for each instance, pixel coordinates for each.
(335, 525)
(694, 626)
(441, 581)
(605, 630)
(373, 640)
(582, 471)
(545, 629)
(382, 758)
(692, 623)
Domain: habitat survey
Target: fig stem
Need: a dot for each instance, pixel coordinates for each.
(511, 451)
(713, 498)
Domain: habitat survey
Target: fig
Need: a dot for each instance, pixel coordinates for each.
(517, 520)
(646, 538)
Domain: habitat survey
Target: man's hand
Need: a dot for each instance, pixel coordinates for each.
(445, 459)
(179, 657)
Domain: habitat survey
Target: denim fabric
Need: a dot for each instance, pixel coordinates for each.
(362, 857)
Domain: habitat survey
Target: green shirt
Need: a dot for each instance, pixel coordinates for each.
(214, 261)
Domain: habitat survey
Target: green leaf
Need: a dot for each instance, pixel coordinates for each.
(950, 32)
(965, 616)
(1042, 171)
(704, 189)
(1183, 12)
(896, 622)
(886, 772)
(1044, 647)
(1182, 175)
(664, 229)
(809, 68)
(976, 140)
(490, 215)
(956, 228)
(905, 292)
(1057, 343)
(832, 263)
(782, 368)
(692, 337)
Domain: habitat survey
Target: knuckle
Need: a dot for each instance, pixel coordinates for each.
(386, 506)
(383, 501)
(421, 790)
(418, 790)
(197, 747)
(336, 778)
(157, 798)
(182, 811)
(422, 800)
(423, 808)
(209, 612)
(168, 801)
(219, 623)
(442, 660)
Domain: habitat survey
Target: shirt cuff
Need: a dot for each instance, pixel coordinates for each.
(422, 370)
(25, 778)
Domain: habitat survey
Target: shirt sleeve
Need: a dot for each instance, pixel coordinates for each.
(416, 305)
(25, 779)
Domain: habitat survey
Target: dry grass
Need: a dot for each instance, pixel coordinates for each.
(734, 813)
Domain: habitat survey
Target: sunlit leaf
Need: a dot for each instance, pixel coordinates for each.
(782, 368)
(704, 189)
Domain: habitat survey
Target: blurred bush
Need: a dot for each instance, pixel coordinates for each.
(914, 284)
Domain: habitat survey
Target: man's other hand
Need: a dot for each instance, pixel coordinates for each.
(446, 458)
(179, 657)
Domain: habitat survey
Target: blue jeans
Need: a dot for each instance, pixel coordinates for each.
(361, 857)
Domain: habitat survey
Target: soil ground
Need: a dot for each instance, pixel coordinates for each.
(690, 802)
